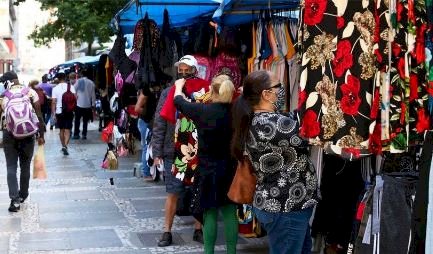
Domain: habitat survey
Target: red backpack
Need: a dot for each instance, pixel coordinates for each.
(69, 101)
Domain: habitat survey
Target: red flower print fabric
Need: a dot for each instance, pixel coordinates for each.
(343, 58)
(337, 75)
(310, 127)
(408, 82)
(363, 75)
(314, 10)
(350, 101)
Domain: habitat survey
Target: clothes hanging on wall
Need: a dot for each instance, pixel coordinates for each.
(109, 67)
(341, 186)
(392, 206)
(227, 64)
(117, 54)
(408, 105)
(337, 77)
(293, 76)
(170, 45)
(419, 213)
(102, 79)
(273, 50)
(358, 59)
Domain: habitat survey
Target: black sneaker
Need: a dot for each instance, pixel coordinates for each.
(84, 137)
(14, 207)
(65, 150)
(76, 137)
(166, 239)
(198, 236)
(23, 198)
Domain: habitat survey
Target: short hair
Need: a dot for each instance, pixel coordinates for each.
(33, 83)
(61, 76)
(45, 78)
(73, 76)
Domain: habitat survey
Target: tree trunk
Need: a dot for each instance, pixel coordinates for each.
(89, 48)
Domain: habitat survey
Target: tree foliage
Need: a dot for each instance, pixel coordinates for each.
(76, 20)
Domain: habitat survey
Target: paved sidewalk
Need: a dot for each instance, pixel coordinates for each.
(76, 210)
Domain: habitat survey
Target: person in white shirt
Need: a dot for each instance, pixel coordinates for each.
(63, 119)
(86, 99)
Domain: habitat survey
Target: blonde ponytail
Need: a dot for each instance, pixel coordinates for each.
(222, 89)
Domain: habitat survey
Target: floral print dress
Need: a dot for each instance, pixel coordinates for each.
(402, 60)
(338, 74)
(364, 83)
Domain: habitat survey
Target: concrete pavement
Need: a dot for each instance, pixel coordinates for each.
(77, 210)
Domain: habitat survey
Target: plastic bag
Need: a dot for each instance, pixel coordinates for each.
(107, 133)
(122, 151)
(39, 169)
(112, 160)
(52, 121)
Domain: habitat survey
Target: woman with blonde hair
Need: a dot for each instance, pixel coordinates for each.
(215, 167)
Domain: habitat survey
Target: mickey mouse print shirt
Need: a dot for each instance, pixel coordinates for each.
(286, 179)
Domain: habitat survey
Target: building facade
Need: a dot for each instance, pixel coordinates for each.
(8, 35)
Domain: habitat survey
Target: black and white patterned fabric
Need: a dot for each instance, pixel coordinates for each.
(286, 179)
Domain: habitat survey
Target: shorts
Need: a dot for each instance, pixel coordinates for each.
(173, 185)
(64, 120)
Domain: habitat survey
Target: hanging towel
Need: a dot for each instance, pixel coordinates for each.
(168, 111)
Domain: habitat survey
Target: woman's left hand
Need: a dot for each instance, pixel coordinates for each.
(180, 83)
(41, 141)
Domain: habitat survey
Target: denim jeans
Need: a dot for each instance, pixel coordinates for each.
(142, 127)
(288, 233)
(22, 150)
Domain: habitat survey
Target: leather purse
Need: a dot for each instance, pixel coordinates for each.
(243, 185)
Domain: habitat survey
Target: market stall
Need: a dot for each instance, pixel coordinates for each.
(364, 100)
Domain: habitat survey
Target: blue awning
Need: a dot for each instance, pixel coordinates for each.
(83, 60)
(234, 12)
(181, 12)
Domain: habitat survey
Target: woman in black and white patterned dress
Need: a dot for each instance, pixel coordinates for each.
(286, 190)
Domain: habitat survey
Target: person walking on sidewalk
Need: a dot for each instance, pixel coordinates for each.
(48, 90)
(215, 165)
(86, 100)
(19, 144)
(145, 107)
(63, 117)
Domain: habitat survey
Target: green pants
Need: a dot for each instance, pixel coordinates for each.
(210, 228)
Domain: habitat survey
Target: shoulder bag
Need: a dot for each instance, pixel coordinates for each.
(243, 185)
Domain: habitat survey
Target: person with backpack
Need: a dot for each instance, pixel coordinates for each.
(63, 105)
(22, 124)
(86, 100)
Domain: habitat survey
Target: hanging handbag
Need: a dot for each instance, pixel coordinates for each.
(243, 185)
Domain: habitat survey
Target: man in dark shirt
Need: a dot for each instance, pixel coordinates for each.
(164, 153)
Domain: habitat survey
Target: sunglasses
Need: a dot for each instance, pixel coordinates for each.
(279, 85)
